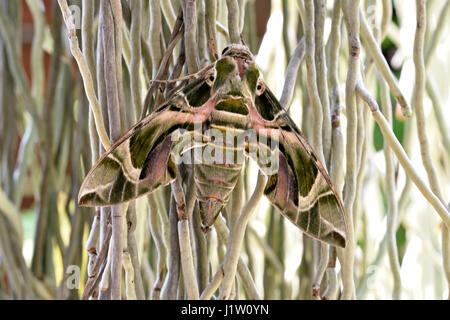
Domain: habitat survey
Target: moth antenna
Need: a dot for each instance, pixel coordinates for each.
(188, 77)
(212, 44)
(243, 41)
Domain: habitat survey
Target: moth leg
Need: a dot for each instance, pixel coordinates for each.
(179, 196)
(184, 239)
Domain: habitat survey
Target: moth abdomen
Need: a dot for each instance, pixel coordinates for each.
(214, 183)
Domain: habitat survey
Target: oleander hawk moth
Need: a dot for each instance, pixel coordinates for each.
(228, 99)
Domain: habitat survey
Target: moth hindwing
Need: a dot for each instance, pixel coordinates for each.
(194, 126)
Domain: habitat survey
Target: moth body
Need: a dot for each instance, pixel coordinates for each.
(213, 123)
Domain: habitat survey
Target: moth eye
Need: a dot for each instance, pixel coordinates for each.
(260, 88)
(210, 78)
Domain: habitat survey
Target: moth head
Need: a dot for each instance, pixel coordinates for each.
(229, 76)
(254, 81)
(236, 76)
(210, 77)
(260, 87)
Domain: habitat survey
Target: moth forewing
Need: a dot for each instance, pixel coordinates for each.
(139, 162)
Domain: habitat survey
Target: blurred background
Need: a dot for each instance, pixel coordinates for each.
(48, 143)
